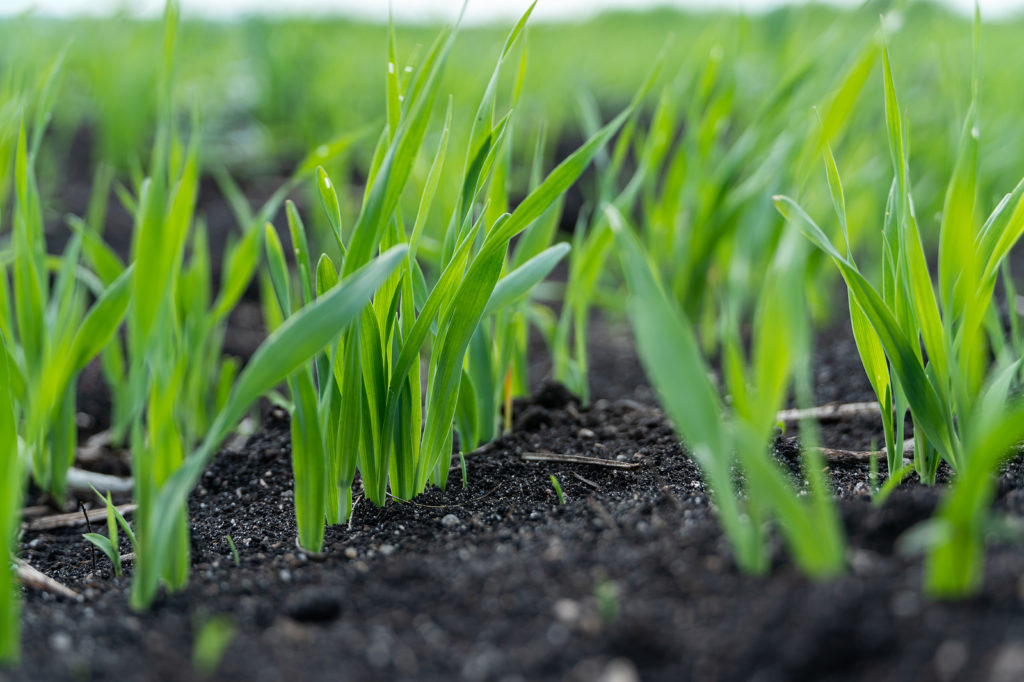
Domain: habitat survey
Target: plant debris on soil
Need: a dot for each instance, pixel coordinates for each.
(630, 579)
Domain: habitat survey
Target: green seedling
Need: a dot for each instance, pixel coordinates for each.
(592, 244)
(451, 296)
(698, 194)
(51, 331)
(285, 351)
(925, 348)
(404, 441)
(940, 353)
(234, 551)
(558, 489)
(110, 545)
(956, 536)
(721, 438)
(11, 485)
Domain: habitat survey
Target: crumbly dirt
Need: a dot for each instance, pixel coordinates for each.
(629, 579)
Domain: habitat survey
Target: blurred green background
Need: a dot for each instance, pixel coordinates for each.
(269, 90)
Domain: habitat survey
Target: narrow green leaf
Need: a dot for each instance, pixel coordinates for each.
(102, 322)
(329, 201)
(309, 463)
(278, 270)
(518, 283)
(240, 264)
(11, 486)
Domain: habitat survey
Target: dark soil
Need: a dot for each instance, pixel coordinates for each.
(629, 579)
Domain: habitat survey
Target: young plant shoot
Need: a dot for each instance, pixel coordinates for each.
(720, 438)
(928, 350)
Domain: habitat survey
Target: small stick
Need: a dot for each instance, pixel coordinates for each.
(578, 459)
(82, 481)
(486, 447)
(632, 405)
(35, 512)
(583, 480)
(831, 412)
(352, 513)
(93, 448)
(30, 577)
(88, 524)
(834, 456)
(73, 519)
(853, 456)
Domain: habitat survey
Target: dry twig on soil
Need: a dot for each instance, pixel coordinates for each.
(82, 481)
(74, 518)
(578, 459)
(831, 412)
(31, 577)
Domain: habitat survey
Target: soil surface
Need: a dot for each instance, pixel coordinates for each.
(629, 579)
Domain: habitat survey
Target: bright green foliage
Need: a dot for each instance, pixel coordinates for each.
(416, 315)
(312, 412)
(558, 489)
(51, 332)
(699, 192)
(285, 351)
(404, 442)
(938, 345)
(722, 440)
(158, 356)
(177, 378)
(11, 484)
(956, 535)
(591, 244)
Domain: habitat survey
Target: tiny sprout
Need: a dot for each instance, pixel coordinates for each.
(558, 489)
(234, 550)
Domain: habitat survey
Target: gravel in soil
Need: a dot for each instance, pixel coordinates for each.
(629, 579)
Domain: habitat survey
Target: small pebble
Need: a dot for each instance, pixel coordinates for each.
(450, 520)
(620, 670)
(568, 610)
(61, 642)
(557, 635)
(585, 433)
(1009, 663)
(950, 658)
